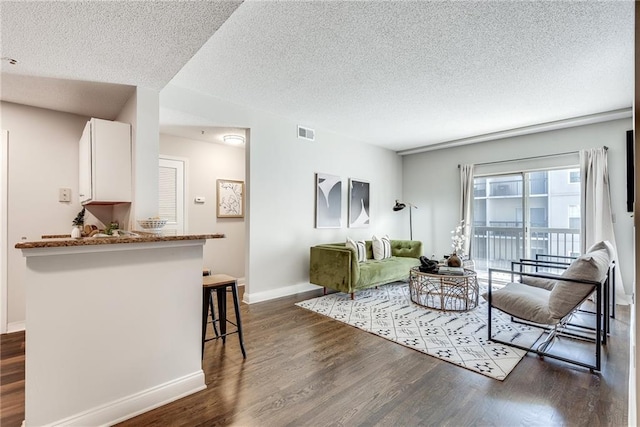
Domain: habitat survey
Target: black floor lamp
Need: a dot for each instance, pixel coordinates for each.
(399, 206)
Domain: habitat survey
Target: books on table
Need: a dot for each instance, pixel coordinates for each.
(458, 271)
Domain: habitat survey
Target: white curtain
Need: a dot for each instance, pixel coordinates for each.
(466, 204)
(597, 222)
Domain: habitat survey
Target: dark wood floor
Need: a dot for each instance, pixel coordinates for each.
(306, 369)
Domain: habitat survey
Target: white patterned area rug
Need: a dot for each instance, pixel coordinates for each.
(456, 337)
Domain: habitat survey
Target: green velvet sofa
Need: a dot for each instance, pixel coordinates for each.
(335, 266)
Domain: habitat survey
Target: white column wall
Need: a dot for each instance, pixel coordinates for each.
(142, 111)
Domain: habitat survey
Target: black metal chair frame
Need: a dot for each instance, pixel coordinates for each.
(598, 340)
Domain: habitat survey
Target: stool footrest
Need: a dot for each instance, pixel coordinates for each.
(220, 336)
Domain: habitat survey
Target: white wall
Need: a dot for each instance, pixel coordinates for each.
(43, 157)
(431, 181)
(207, 162)
(141, 111)
(280, 193)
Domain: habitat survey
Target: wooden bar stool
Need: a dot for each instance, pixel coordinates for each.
(221, 283)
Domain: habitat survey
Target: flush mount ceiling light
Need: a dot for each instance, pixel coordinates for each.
(233, 139)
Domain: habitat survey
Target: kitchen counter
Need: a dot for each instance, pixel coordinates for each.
(113, 326)
(56, 242)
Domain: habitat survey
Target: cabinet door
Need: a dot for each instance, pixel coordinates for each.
(85, 183)
(111, 151)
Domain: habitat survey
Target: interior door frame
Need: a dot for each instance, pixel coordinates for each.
(4, 249)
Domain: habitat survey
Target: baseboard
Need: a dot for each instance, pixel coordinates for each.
(252, 298)
(137, 403)
(15, 327)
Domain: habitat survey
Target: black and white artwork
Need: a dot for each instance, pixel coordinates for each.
(358, 203)
(328, 201)
(230, 199)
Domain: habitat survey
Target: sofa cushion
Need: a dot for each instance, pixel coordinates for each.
(381, 247)
(360, 247)
(378, 272)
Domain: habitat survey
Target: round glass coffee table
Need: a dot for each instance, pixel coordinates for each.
(447, 292)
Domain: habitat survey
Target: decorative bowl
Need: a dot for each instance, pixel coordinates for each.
(152, 225)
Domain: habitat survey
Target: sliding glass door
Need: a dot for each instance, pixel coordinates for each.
(523, 214)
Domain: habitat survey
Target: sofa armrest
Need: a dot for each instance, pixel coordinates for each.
(333, 267)
(406, 248)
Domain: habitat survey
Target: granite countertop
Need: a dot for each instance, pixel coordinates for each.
(90, 241)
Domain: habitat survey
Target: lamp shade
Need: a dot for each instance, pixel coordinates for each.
(399, 206)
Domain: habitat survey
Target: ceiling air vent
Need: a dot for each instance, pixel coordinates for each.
(306, 133)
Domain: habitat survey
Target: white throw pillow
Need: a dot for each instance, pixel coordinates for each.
(360, 247)
(381, 247)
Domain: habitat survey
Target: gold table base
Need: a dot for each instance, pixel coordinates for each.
(445, 292)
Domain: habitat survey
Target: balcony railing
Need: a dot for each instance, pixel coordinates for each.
(497, 247)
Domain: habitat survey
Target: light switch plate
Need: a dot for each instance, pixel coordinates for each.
(64, 195)
(199, 199)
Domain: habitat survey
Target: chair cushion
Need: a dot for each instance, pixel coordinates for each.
(603, 244)
(566, 295)
(523, 301)
(539, 282)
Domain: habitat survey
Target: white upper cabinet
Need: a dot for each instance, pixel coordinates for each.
(105, 163)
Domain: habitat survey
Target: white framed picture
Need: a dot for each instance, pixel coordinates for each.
(229, 198)
(328, 201)
(358, 203)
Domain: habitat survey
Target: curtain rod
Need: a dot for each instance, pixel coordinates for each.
(529, 158)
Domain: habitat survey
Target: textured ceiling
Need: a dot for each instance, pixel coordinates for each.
(406, 74)
(102, 100)
(134, 43)
(398, 74)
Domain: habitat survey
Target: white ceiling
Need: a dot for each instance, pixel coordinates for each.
(203, 133)
(398, 74)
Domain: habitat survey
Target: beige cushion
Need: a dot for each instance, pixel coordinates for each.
(603, 244)
(523, 301)
(547, 301)
(566, 295)
(539, 282)
(359, 247)
(381, 247)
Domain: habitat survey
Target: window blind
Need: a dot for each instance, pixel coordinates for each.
(167, 204)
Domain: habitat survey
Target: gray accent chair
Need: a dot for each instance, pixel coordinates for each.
(551, 300)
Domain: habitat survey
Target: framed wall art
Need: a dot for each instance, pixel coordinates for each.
(229, 198)
(358, 203)
(328, 201)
